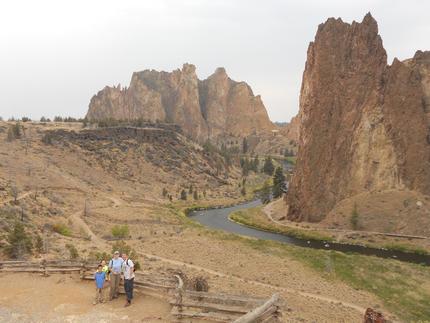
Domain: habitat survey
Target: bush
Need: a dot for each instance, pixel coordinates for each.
(19, 242)
(265, 194)
(25, 119)
(74, 254)
(278, 182)
(38, 245)
(165, 192)
(99, 256)
(183, 195)
(120, 231)
(123, 247)
(62, 229)
(47, 139)
(354, 217)
(14, 132)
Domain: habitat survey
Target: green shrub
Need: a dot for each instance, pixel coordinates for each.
(38, 245)
(74, 254)
(123, 247)
(354, 218)
(62, 229)
(183, 195)
(120, 231)
(19, 242)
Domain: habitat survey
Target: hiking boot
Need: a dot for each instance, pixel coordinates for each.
(127, 304)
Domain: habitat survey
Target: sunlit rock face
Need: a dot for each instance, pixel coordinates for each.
(205, 109)
(364, 125)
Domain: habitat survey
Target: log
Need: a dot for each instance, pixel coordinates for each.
(253, 315)
(269, 314)
(225, 299)
(213, 307)
(210, 316)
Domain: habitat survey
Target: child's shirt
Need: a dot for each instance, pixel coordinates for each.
(100, 277)
(105, 269)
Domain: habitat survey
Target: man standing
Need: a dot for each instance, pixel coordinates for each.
(128, 270)
(115, 266)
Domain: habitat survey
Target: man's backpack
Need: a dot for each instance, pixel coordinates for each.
(126, 263)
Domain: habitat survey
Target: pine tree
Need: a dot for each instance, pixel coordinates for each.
(268, 166)
(278, 182)
(196, 195)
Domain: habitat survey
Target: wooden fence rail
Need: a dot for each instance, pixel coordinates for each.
(189, 304)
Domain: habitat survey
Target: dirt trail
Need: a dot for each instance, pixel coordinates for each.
(20, 197)
(269, 209)
(76, 217)
(256, 283)
(79, 222)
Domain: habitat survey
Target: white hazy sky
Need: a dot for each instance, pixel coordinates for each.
(55, 55)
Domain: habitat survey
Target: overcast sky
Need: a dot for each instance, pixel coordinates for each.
(55, 55)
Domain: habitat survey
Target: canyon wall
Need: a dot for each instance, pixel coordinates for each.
(364, 125)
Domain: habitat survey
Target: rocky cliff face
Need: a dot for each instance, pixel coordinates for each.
(204, 109)
(364, 125)
(291, 131)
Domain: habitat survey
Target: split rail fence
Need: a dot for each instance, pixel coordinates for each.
(187, 305)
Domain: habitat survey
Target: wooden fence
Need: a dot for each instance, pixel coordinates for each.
(214, 307)
(186, 304)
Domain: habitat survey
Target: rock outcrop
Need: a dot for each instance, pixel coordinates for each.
(205, 109)
(292, 130)
(364, 125)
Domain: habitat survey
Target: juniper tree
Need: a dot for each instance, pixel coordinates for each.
(183, 195)
(19, 242)
(268, 166)
(278, 182)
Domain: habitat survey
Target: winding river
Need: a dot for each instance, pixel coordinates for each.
(218, 219)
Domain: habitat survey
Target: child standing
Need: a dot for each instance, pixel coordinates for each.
(99, 278)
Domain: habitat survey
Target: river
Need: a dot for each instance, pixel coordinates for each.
(218, 219)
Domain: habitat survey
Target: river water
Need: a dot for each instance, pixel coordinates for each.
(218, 219)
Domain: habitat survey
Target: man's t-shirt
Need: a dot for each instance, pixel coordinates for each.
(128, 267)
(100, 277)
(116, 265)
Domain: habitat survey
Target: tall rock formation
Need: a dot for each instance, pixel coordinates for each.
(364, 125)
(208, 109)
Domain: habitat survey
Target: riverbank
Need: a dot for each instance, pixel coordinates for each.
(260, 218)
(389, 280)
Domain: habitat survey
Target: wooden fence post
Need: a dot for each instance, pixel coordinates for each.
(82, 270)
(178, 294)
(44, 268)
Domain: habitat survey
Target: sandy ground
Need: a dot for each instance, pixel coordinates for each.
(65, 298)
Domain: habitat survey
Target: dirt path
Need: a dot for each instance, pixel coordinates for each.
(20, 197)
(77, 220)
(256, 283)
